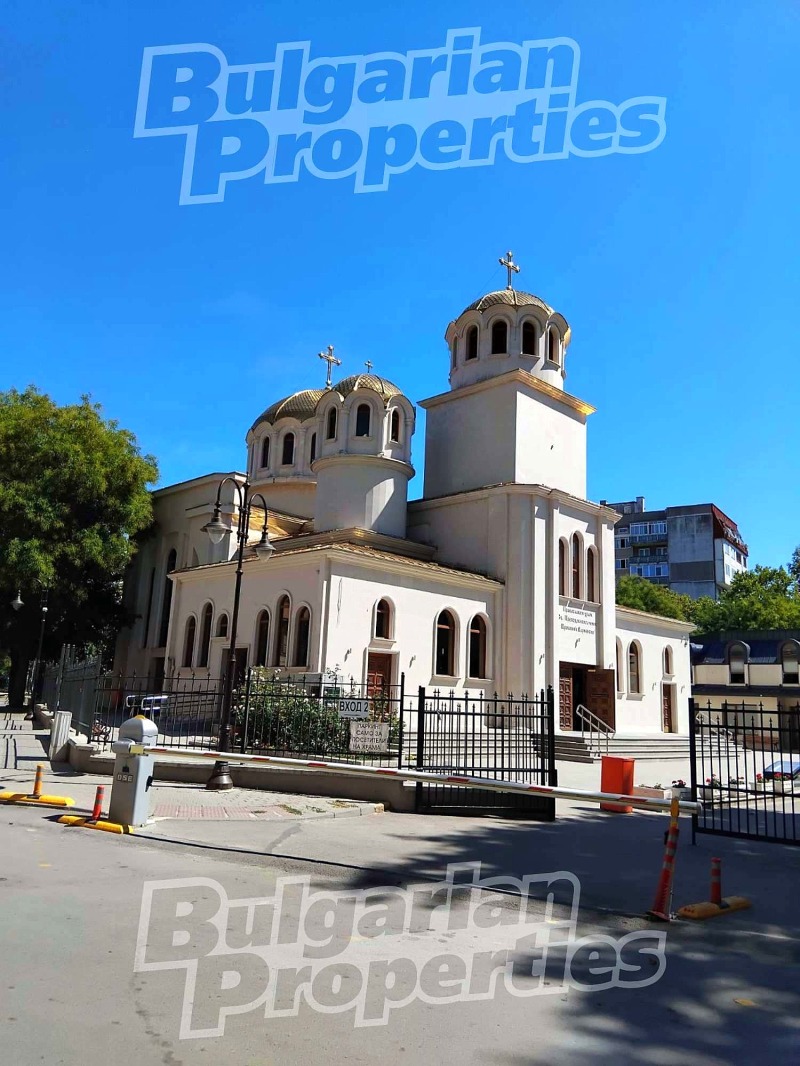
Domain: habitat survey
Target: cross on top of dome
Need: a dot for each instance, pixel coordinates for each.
(512, 268)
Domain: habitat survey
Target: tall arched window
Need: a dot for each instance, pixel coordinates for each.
(222, 625)
(472, 342)
(282, 643)
(528, 338)
(477, 647)
(445, 664)
(552, 346)
(166, 599)
(302, 632)
(454, 353)
(262, 638)
(790, 664)
(188, 641)
(499, 337)
(634, 668)
(668, 661)
(620, 672)
(288, 449)
(330, 432)
(576, 566)
(265, 452)
(737, 657)
(563, 566)
(313, 454)
(363, 412)
(205, 635)
(383, 620)
(591, 575)
(394, 427)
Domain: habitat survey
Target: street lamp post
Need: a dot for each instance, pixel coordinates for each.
(16, 603)
(216, 530)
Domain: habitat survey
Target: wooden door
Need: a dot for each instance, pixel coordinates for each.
(565, 706)
(379, 673)
(668, 724)
(601, 694)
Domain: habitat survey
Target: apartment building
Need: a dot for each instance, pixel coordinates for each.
(694, 549)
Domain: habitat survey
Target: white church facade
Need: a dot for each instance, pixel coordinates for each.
(499, 579)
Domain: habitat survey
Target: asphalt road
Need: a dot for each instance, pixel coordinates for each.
(75, 990)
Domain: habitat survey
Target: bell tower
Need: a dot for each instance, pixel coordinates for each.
(507, 417)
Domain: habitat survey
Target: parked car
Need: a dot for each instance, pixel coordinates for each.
(788, 767)
(150, 706)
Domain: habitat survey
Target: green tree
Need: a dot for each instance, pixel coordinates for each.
(765, 597)
(794, 567)
(73, 500)
(643, 595)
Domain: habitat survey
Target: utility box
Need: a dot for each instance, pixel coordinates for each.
(133, 772)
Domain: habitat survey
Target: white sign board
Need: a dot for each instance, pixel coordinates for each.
(352, 708)
(578, 626)
(369, 736)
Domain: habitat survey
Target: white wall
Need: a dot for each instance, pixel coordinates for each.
(362, 492)
(642, 714)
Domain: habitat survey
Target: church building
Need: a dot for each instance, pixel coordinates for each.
(500, 579)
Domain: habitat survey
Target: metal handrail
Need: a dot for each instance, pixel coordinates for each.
(598, 729)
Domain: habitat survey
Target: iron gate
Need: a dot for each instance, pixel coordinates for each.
(509, 738)
(745, 765)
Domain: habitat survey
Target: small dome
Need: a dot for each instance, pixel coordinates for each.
(509, 297)
(383, 387)
(300, 405)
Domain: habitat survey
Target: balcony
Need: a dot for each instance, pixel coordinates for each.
(648, 557)
(647, 538)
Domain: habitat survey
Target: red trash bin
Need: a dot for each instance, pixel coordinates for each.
(616, 775)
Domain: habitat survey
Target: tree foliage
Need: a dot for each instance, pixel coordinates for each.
(73, 499)
(643, 595)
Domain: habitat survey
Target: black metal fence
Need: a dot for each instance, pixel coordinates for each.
(745, 765)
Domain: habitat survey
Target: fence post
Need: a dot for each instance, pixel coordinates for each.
(420, 743)
(401, 730)
(551, 737)
(246, 724)
(693, 725)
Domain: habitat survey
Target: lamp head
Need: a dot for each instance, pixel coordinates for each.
(17, 602)
(265, 547)
(216, 529)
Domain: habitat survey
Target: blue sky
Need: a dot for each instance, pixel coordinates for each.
(677, 268)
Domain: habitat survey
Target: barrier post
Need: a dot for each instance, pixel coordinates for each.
(97, 809)
(716, 882)
(37, 781)
(662, 905)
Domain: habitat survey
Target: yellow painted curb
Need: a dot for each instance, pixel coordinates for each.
(87, 823)
(36, 801)
(711, 910)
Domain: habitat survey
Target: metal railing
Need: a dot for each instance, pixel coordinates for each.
(600, 732)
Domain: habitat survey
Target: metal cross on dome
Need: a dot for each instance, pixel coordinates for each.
(332, 361)
(511, 267)
(369, 366)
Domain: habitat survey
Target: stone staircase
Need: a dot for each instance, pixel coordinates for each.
(577, 747)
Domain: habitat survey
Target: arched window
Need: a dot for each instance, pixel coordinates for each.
(472, 342)
(330, 432)
(563, 552)
(668, 661)
(394, 427)
(591, 575)
(790, 664)
(166, 599)
(737, 657)
(499, 337)
(363, 413)
(265, 452)
(222, 625)
(445, 645)
(282, 643)
(188, 641)
(528, 338)
(262, 638)
(477, 647)
(383, 620)
(288, 449)
(205, 635)
(454, 353)
(313, 448)
(634, 668)
(576, 566)
(302, 632)
(620, 672)
(552, 346)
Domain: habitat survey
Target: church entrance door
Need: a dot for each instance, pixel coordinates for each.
(379, 673)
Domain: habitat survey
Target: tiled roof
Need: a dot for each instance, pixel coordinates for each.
(389, 557)
(384, 388)
(509, 297)
(300, 405)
